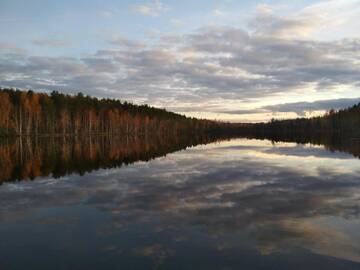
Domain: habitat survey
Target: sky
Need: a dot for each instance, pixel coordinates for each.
(237, 61)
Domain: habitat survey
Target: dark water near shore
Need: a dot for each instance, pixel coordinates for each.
(233, 204)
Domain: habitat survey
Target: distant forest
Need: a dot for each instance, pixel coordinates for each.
(336, 130)
(334, 125)
(32, 113)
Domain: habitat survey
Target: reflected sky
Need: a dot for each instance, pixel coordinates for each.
(226, 205)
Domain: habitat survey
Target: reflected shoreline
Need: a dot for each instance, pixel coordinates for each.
(330, 142)
(27, 158)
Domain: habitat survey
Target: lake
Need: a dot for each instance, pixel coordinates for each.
(178, 204)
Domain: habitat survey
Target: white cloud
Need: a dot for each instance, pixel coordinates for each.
(218, 13)
(323, 20)
(153, 9)
(264, 9)
(177, 22)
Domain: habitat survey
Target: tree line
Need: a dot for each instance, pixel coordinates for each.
(37, 114)
(33, 113)
(335, 125)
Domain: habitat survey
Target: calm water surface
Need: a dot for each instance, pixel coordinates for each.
(239, 204)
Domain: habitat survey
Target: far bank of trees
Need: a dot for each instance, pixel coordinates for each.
(344, 124)
(28, 113)
(32, 113)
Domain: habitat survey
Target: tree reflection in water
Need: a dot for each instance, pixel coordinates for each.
(29, 158)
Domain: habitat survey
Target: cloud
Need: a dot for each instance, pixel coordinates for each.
(51, 43)
(154, 9)
(124, 42)
(264, 9)
(218, 13)
(271, 25)
(314, 21)
(100, 64)
(11, 49)
(323, 105)
(177, 22)
(300, 108)
(222, 62)
(211, 65)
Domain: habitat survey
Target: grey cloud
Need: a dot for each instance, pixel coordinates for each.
(11, 49)
(250, 111)
(123, 42)
(271, 25)
(301, 107)
(51, 43)
(56, 66)
(215, 62)
(101, 64)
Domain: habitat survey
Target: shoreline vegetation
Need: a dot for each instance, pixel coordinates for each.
(29, 113)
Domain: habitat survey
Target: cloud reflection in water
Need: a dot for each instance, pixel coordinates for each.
(242, 196)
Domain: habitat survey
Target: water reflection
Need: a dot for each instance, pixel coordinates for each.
(237, 204)
(23, 159)
(332, 141)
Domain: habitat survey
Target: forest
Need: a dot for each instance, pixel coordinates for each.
(31, 113)
(334, 125)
